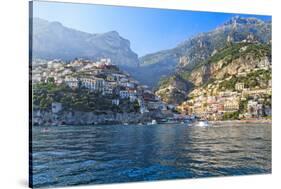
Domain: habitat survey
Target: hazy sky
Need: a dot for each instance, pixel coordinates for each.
(149, 30)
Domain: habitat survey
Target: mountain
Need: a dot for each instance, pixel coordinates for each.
(189, 53)
(231, 84)
(239, 62)
(52, 40)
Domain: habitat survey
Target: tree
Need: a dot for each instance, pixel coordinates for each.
(51, 80)
(136, 106)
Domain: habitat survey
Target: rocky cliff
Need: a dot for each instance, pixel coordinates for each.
(188, 54)
(237, 58)
(52, 40)
(231, 61)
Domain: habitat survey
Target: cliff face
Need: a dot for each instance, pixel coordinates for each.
(174, 89)
(231, 61)
(52, 40)
(234, 60)
(188, 54)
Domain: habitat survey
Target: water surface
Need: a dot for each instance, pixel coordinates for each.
(74, 155)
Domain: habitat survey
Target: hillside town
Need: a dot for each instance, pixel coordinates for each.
(214, 101)
(104, 78)
(238, 101)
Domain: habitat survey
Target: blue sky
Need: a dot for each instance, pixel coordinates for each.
(149, 30)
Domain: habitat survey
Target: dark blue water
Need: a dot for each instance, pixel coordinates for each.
(76, 155)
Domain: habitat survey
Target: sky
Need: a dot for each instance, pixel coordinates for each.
(149, 30)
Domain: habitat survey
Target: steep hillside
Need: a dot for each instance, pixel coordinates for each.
(197, 49)
(52, 40)
(235, 59)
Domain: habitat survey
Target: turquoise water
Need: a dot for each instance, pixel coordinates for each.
(79, 155)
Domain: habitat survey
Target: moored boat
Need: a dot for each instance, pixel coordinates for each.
(202, 123)
(153, 122)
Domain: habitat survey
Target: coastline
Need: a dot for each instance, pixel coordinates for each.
(257, 121)
(214, 123)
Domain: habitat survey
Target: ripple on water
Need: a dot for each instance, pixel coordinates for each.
(76, 155)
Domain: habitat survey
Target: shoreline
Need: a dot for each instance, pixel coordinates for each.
(258, 121)
(262, 121)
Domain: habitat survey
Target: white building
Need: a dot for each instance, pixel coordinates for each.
(95, 84)
(118, 77)
(115, 102)
(254, 108)
(71, 82)
(106, 61)
(56, 107)
(55, 64)
(239, 86)
(36, 78)
(124, 94)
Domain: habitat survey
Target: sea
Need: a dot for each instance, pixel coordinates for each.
(102, 154)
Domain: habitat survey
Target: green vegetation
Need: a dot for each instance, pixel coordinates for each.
(264, 75)
(178, 91)
(166, 81)
(230, 116)
(230, 53)
(243, 106)
(51, 80)
(229, 84)
(77, 99)
(254, 79)
(235, 51)
(259, 50)
(185, 74)
(258, 78)
(162, 56)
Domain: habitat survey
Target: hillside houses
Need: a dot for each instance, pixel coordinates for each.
(215, 106)
(101, 77)
(93, 83)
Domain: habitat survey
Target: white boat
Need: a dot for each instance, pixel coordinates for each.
(153, 122)
(202, 123)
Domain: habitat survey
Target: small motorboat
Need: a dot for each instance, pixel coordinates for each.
(202, 123)
(153, 122)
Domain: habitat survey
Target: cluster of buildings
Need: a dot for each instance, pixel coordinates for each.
(102, 77)
(212, 104)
